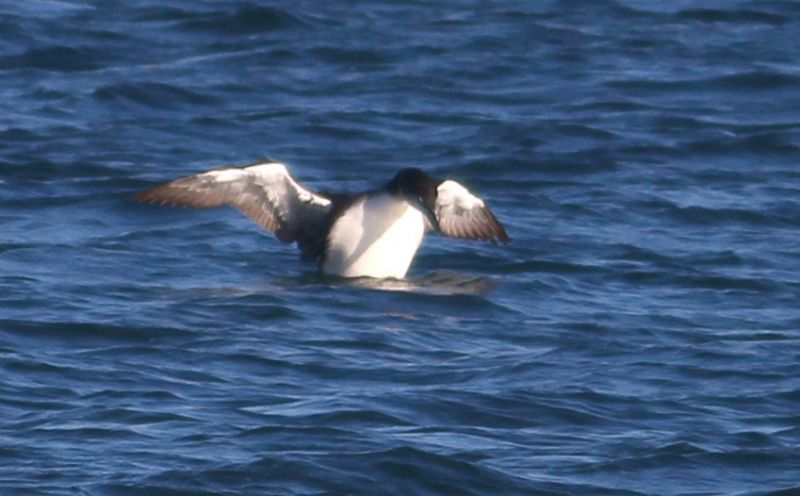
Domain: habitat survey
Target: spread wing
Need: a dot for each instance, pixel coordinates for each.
(265, 192)
(462, 215)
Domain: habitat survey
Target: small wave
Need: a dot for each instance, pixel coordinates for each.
(681, 448)
(755, 80)
(77, 333)
(347, 470)
(704, 372)
(739, 82)
(338, 131)
(56, 58)
(17, 135)
(611, 106)
(703, 215)
(330, 417)
(792, 395)
(756, 336)
(546, 266)
(585, 162)
(750, 458)
(163, 13)
(135, 417)
(151, 94)
(108, 395)
(424, 472)
(362, 57)
(584, 131)
(634, 253)
(732, 16)
(249, 18)
(774, 144)
(86, 434)
(669, 455)
(786, 491)
(358, 418)
(709, 281)
(607, 9)
(270, 431)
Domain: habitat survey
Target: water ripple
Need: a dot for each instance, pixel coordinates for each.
(637, 337)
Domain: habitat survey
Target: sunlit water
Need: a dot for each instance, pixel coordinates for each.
(639, 336)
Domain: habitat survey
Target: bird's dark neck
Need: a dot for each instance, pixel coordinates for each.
(392, 187)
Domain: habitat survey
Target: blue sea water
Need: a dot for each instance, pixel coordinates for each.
(641, 334)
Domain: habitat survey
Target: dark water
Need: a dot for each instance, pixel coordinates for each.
(639, 336)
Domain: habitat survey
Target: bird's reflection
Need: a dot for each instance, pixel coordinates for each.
(439, 282)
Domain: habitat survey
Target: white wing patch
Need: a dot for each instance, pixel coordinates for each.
(454, 195)
(274, 173)
(463, 215)
(225, 175)
(266, 193)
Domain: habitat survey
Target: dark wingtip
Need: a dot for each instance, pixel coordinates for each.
(140, 197)
(156, 196)
(502, 235)
(146, 196)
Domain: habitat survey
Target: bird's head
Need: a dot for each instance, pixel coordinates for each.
(418, 189)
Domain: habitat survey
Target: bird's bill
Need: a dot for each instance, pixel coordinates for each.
(427, 211)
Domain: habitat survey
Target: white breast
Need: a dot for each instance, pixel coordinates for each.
(376, 237)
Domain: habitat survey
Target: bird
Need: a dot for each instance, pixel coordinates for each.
(374, 233)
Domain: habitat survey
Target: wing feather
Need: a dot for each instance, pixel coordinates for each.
(266, 193)
(462, 215)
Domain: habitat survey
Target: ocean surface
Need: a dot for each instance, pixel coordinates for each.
(639, 336)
